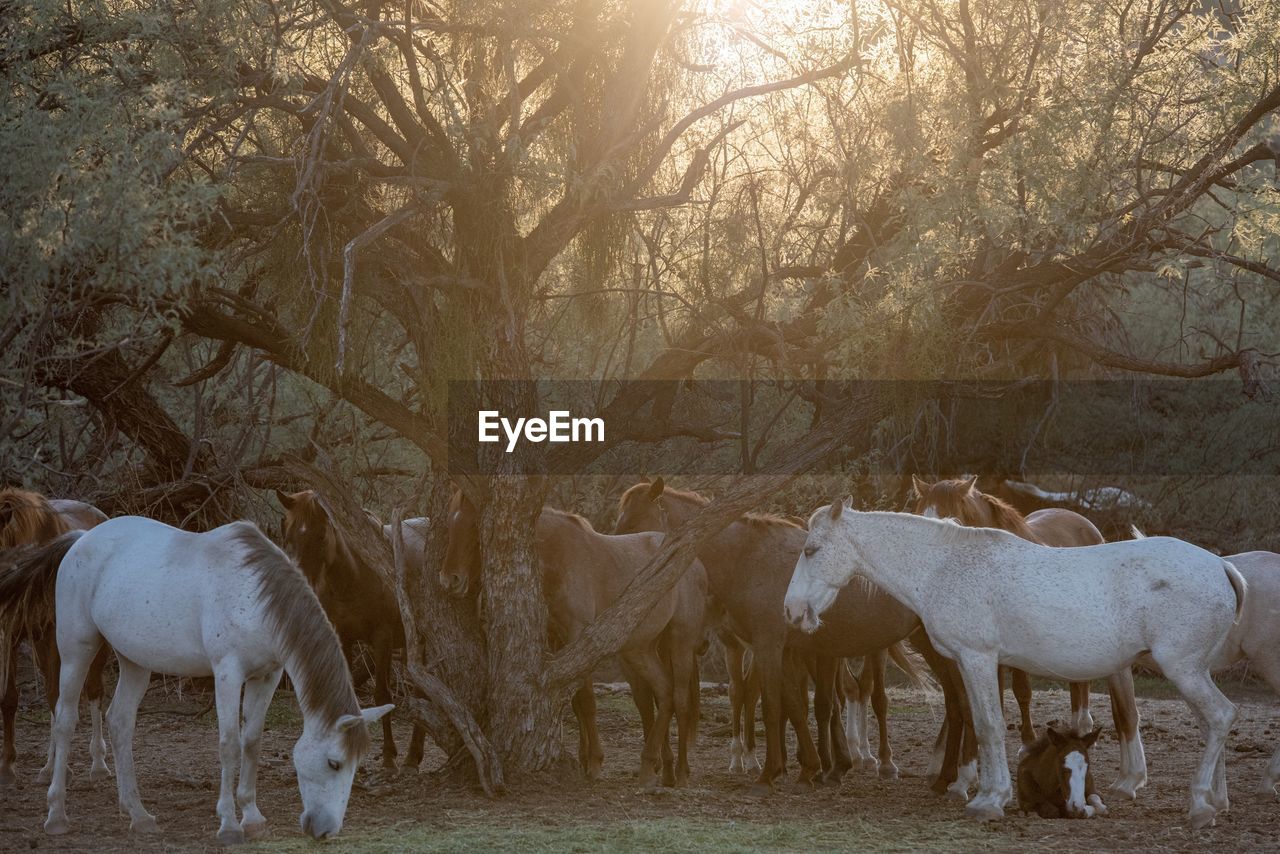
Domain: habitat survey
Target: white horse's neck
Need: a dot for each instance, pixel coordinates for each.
(899, 553)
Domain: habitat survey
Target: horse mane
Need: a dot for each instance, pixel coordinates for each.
(27, 518)
(308, 640)
(763, 520)
(573, 518)
(1007, 518)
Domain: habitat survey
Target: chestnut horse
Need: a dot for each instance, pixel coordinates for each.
(959, 499)
(355, 598)
(749, 565)
(28, 518)
(584, 572)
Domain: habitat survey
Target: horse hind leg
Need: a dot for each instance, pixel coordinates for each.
(44, 654)
(1216, 713)
(1267, 665)
(9, 710)
(228, 685)
(1021, 684)
(590, 755)
(121, 719)
(649, 667)
(1081, 717)
(982, 683)
(1124, 713)
(75, 666)
(93, 691)
(880, 703)
(382, 651)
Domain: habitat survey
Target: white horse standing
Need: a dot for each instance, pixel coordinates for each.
(988, 598)
(226, 604)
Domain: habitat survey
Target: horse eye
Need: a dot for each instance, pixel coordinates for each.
(809, 550)
(335, 765)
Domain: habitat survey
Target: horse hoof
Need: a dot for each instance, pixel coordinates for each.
(761, 790)
(43, 776)
(983, 811)
(1127, 788)
(7, 779)
(888, 771)
(954, 793)
(750, 764)
(100, 775)
(57, 826)
(1265, 792)
(146, 824)
(870, 763)
(256, 830)
(1202, 817)
(231, 836)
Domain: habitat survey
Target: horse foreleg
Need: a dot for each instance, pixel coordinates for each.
(750, 699)
(944, 765)
(9, 710)
(1124, 713)
(257, 699)
(768, 663)
(981, 682)
(684, 678)
(823, 697)
(227, 684)
(93, 691)
(382, 652)
(650, 668)
(590, 754)
(839, 742)
(416, 742)
(1021, 683)
(70, 682)
(733, 665)
(1081, 717)
(880, 703)
(645, 702)
(795, 706)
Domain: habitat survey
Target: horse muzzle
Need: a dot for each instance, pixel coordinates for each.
(319, 825)
(801, 614)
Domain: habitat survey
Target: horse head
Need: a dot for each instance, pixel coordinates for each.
(325, 759)
(822, 568)
(309, 535)
(640, 508)
(460, 570)
(1066, 757)
(956, 499)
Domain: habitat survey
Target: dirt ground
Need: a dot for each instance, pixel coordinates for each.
(176, 757)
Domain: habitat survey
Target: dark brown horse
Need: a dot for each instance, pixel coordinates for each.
(749, 565)
(1054, 780)
(356, 599)
(960, 499)
(584, 572)
(28, 518)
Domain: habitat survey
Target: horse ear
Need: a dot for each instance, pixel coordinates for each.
(656, 488)
(366, 716)
(920, 486)
(848, 502)
(837, 507)
(1091, 738)
(970, 484)
(286, 500)
(1056, 738)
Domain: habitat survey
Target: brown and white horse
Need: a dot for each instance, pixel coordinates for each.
(355, 598)
(27, 519)
(583, 573)
(960, 500)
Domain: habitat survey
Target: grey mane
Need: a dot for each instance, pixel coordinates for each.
(307, 639)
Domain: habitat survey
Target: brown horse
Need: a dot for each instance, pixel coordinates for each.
(356, 599)
(749, 565)
(28, 518)
(584, 572)
(960, 499)
(1054, 780)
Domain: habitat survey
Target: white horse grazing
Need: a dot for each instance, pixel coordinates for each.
(987, 597)
(226, 604)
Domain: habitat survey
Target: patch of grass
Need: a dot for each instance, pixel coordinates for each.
(667, 835)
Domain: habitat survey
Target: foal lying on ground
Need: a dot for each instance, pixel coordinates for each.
(1054, 780)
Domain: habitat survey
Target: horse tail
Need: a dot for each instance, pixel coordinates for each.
(28, 579)
(1238, 584)
(695, 702)
(900, 658)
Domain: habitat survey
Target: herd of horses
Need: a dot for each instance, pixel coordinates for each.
(801, 609)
